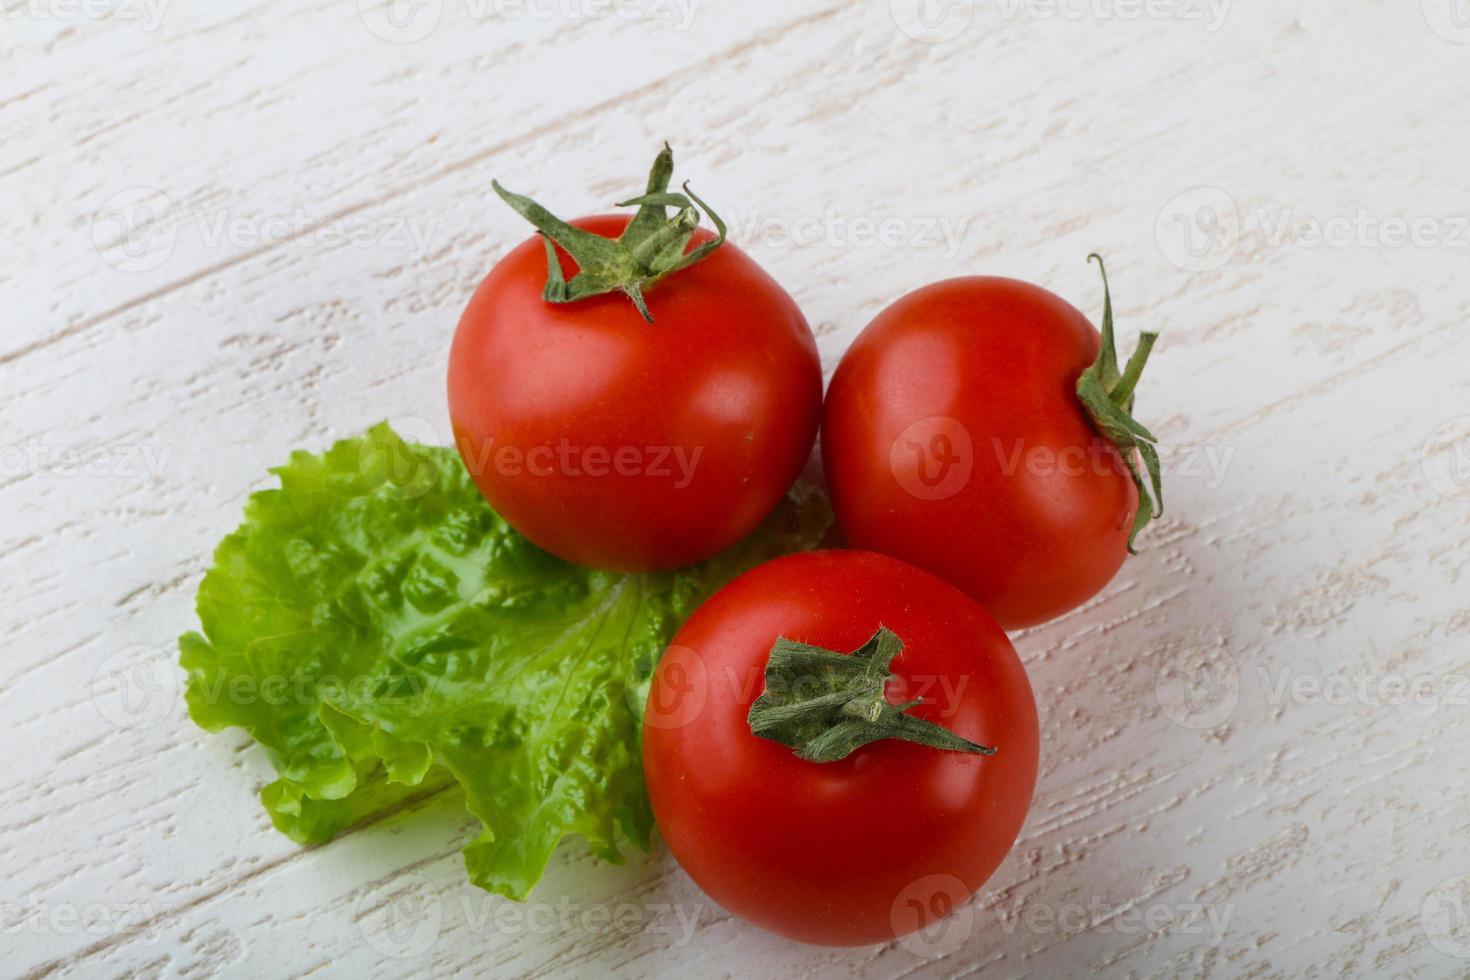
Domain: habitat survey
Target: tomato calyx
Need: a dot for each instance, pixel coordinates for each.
(826, 704)
(650, 249)
(1107, 395)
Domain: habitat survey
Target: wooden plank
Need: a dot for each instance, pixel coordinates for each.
(1222, 731)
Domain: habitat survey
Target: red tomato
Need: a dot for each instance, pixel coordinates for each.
(881, 842)
(626, 445)
(953, 437)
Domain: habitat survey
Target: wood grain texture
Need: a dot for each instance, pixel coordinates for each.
(250, 226)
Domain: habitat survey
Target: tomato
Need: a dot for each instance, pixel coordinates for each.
(627, 445)
(875, 844)
(954, 437)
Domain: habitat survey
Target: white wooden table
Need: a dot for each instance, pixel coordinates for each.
(236, 228)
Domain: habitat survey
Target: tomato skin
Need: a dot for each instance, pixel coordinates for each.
(822, 853)
(980, 372)
(714, 407)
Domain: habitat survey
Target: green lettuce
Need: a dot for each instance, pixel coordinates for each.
(382, 633)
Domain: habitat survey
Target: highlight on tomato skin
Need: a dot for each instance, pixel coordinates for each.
(979, 428)
(633, 424)
(883, 840)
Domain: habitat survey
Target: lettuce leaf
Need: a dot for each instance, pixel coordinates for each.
(382, 633)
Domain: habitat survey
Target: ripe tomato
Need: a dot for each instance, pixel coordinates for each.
(954, 437)
(878, 843)
(628, 445)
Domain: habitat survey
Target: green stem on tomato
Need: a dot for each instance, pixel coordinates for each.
(826, 705)
(649, 250)
(1108, 397)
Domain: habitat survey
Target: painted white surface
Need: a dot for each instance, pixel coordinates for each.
(236, 228)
